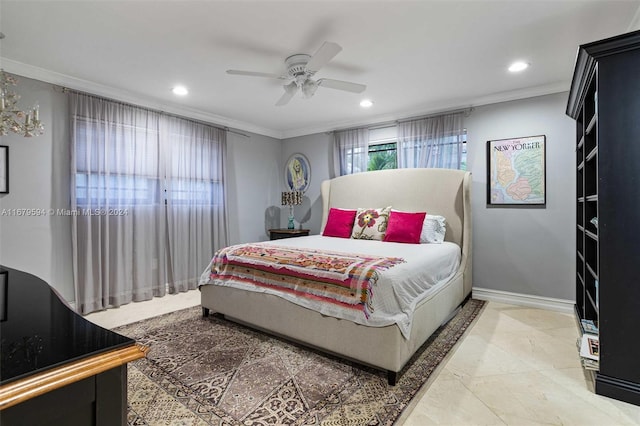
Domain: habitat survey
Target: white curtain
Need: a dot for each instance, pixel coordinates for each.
(431, 142)
(351, 151)
(131, 167)
(195, 199)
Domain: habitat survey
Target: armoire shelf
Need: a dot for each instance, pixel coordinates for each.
(605, 102)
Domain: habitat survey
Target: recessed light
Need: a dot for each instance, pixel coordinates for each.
(180, 90)
(366, 103)
(518, 66)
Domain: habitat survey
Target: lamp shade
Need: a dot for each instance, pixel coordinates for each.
(309, 88)
(291, 198)
(291, 88)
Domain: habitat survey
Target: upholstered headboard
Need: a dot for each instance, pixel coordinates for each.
(444, 192)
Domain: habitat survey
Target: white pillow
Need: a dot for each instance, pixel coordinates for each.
(433, 229)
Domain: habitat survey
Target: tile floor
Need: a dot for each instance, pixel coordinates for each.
(515, 366)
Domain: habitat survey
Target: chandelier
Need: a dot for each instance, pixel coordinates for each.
(11, 118)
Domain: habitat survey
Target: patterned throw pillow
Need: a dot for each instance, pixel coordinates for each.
(371, 224)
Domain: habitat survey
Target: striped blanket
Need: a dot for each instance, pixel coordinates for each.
(343, 279)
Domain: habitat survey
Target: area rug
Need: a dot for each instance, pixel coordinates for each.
(210, 371)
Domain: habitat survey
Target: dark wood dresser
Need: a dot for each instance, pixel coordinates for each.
(56, 367)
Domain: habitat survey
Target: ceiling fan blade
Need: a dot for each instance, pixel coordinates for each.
(284, 99)
(342, 85)
(256, 74)
(326, 52)
(289, 91)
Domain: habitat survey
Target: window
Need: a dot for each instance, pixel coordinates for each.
(93, 189)
(149, 192)
(193, 175)
(440, 150)
(127, 174)
(383, 149)
(192, 191)
(116, 164)
(382, 156)
(463, 160)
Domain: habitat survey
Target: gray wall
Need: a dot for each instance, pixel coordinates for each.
(524, 250)
(39, 179)
(254, 186)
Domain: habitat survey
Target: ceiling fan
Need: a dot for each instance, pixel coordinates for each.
(300, 69)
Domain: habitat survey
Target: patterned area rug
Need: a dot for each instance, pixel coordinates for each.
(209, 371)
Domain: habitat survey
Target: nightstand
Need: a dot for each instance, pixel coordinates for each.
(278, 234)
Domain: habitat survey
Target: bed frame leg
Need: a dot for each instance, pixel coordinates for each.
(392, 377)
(205, 312)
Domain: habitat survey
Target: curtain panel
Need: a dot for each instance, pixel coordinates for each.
(431, 142)
(351, 151)
(147, 192)
(195, 199)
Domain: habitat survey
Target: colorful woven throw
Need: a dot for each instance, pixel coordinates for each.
(343, 279)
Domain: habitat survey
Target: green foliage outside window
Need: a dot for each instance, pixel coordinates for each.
(382, 156)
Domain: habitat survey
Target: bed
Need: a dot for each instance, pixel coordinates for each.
(381, 343)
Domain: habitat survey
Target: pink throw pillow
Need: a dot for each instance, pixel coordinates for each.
(339, 223)
(404, 227)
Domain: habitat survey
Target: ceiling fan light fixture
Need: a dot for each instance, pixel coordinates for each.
(291, 88)
(309, 88)
(366, 103)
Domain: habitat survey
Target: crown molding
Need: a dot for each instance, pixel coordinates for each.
(37, 73)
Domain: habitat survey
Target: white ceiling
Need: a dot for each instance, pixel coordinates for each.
(415, 57)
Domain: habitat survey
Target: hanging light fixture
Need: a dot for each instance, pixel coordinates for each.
(25, 123)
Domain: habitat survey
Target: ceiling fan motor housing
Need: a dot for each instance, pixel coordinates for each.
(296, 66)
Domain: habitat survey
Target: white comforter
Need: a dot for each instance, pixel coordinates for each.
(399, 288)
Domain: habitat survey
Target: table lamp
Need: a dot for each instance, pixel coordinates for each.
(291, 198)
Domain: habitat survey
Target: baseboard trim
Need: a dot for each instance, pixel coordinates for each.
(619, 389)
(548, 303)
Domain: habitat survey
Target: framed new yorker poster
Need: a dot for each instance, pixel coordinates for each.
(516, 172)
(297, 173)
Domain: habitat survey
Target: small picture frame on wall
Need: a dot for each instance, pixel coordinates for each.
(516, 171)
(4, 169)
(297, 173)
